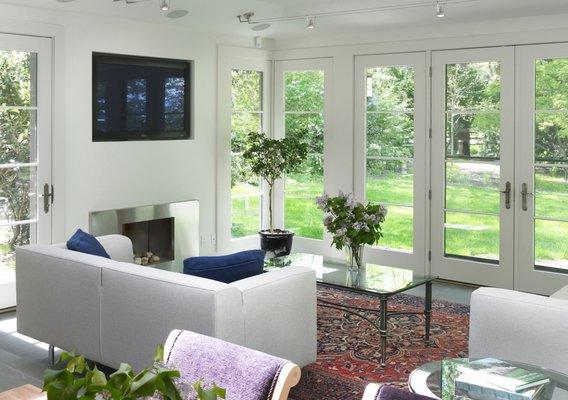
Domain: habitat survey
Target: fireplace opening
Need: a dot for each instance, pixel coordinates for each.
(152, 241)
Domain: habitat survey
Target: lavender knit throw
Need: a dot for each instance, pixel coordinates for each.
(393, 393)
(246, 374)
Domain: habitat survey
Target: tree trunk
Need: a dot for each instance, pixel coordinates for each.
(271, 222)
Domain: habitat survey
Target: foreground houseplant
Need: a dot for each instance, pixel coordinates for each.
(77, 380)
(270, 159)
(353, 225)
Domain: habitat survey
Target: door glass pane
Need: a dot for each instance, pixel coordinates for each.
(18, 145)
(304, 98)
(390, 151)
(551, 164)
(247, 116)
(473, 176)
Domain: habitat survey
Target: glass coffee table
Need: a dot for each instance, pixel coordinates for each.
(374, 280)
(427, 381)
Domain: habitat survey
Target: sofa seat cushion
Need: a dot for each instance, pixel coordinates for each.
(228, 268)
(86, 243)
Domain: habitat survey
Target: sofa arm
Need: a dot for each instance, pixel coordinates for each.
(279, 310)
(518, 326)
(59, 297)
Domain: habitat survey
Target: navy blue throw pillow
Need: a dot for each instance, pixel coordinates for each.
(227, 269)
(85, 243)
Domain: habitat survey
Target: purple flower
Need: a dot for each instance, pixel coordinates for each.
(328, 220)
(321, 201)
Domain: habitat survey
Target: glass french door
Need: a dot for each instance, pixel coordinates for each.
(542, 168)
(390, 153)
(25, 150)
(472, 176)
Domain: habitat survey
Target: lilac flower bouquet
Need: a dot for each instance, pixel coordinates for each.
(352, 224)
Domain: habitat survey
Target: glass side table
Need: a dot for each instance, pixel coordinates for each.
(426, 380)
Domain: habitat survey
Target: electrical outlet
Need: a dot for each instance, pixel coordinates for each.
(213, 240)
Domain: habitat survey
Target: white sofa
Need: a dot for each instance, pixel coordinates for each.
(114, 311)
(521, 327)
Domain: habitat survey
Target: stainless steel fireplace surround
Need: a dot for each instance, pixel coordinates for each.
(171, 229)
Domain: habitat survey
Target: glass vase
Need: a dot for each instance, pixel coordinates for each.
(354, 256)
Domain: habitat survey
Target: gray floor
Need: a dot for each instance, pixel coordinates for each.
(23, 360)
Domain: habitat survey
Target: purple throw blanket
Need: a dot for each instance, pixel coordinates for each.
(246, 374)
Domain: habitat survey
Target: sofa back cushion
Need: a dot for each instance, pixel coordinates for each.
(86, 243)
(228, 268)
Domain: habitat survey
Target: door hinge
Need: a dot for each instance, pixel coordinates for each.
(430, 194)
(429, 255)
(48, 197)
(431, 72)
(430, 133)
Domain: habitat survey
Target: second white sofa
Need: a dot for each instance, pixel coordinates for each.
(114, 311)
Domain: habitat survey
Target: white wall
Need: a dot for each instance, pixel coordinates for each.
(101, 176)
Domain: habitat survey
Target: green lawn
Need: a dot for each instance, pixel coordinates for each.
(466, 234)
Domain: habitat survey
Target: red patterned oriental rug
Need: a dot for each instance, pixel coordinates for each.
(348, 346)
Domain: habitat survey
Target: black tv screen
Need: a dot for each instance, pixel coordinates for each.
(140, 98)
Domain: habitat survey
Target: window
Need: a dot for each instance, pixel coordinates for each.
(304, 94)
(247, 116)
(390, 150)
(136, 104)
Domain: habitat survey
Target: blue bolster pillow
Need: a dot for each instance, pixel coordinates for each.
(227, 269)
(86, 243)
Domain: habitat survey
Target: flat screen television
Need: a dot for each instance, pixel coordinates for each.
(140, 98)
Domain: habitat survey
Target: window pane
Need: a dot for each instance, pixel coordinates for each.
(473, 86)
(17, 78)
(551, 84)
(304, 90)
(471, 235)
(473, 187)
(390, 88)
(247, 90)
(242, 124)
(302, 215)
(473, 135)
(551, 137)
(398, 229)
(552, 193)
(17, 194)
(309, 128)
(10, 238)
(18, 136)
(551, 246)
(245, 213)
(390, 182)
(246, 202)
(390, 135)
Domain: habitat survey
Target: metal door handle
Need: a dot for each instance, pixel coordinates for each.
(507, 193)
(524, 194)
(48, 197)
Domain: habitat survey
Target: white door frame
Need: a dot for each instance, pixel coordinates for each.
(417, 259)
(227, 63)
(453, 268)
(280, 67)
(527, 277)
(40, 230)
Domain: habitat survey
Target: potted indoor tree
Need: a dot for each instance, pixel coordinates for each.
(271, 159)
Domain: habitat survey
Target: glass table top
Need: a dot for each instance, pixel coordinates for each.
(427, 380)
(373, 278)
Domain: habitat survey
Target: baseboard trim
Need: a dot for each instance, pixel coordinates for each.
(7, 310)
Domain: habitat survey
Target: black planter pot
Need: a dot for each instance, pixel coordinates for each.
(277, 243)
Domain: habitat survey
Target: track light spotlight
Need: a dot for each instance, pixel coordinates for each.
(440, 10)
(165, 5)
(311, 23)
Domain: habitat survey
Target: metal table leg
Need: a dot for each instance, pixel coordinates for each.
(383, 329)
(428, 310)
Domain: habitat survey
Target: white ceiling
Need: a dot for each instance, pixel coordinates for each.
(220, 15)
